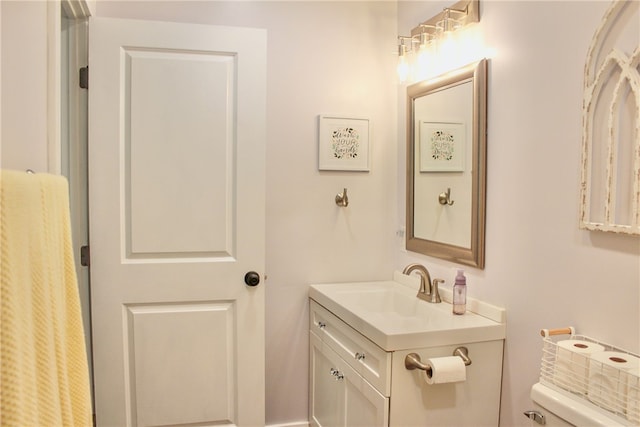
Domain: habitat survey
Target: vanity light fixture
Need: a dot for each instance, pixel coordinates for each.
(436, 32)
(425, 37)
(403, 65)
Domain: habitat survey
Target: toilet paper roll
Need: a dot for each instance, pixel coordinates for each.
(572, 364)
(449, 369)
(633, 395)
(608, 379)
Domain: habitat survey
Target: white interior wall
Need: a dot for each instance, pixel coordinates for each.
(335, 57)
(539, 266)
(23, 138)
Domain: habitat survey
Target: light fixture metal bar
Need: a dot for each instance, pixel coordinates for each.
(456, 11)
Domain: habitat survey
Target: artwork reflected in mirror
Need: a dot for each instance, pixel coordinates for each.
(446, 162)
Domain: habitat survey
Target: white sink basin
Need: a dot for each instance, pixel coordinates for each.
(380, 298)
(390, 315)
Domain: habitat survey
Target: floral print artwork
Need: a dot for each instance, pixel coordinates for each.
(345, 143)
(442, 145)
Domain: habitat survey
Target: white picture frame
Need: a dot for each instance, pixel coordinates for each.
(442, 146)
(343, 143)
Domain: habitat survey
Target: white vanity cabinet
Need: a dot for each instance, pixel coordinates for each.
(356, 382)
(341, 361)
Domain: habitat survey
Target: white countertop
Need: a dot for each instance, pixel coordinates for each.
(390, 314)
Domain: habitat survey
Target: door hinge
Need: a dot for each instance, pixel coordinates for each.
(85, 256)
(84, 77)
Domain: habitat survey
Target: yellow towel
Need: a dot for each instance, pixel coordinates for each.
(45, 377)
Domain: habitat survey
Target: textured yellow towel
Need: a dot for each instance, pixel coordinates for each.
(45, 377)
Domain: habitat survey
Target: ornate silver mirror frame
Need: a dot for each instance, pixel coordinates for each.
(454, 104)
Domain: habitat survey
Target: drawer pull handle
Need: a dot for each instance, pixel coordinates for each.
(336, 374)
(322, 325)
(359, 356)
(536, 416)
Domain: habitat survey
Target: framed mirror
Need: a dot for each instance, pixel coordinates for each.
(446, 165)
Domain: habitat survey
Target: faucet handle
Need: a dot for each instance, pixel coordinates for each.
(435, 294)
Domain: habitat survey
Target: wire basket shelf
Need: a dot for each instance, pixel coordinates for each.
(604, 375)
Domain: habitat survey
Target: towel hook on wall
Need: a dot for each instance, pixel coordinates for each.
(341, 199)
(445, 198)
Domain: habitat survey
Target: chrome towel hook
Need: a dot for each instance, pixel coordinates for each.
(341, 199)
(444, 198)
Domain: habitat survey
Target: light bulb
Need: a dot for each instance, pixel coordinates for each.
(423, 62)
(447, 43)
(403, 68)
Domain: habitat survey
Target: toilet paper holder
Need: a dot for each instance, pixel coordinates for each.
(412, 360)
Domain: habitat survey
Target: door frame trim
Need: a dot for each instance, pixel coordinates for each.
(67, 50)
(75, 10)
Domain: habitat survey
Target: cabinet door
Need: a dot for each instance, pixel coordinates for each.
(364, 405)
(326, 396)
(339, 396)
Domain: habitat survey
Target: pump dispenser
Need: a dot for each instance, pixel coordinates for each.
(460, 293)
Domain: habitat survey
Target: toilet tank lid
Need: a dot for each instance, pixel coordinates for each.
(575, 410)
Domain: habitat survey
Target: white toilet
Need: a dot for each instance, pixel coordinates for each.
(553, 407)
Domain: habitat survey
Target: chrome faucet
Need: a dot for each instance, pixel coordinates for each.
(428, 289)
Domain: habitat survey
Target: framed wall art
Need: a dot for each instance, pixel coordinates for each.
(442, 146)
(343, 143)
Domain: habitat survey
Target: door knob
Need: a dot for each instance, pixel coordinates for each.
(252, 278)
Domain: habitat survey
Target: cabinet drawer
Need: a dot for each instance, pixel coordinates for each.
(372, 362)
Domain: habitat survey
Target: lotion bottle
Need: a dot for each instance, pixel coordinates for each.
(460, 293)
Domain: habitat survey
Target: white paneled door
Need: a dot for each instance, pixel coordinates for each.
(176, 188)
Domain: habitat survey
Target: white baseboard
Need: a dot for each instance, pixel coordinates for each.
(294, 424)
